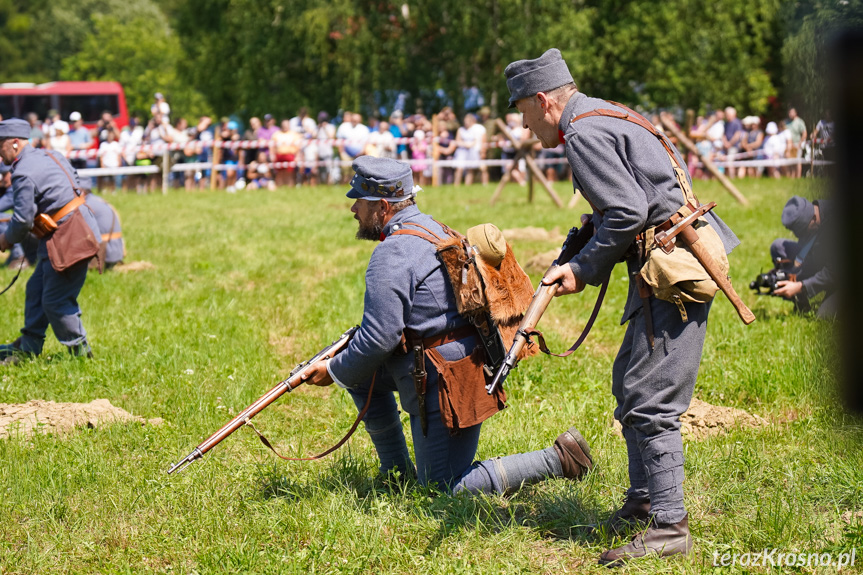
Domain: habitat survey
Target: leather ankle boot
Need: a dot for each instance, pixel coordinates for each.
(664, 539)
(574, 454)
(633, 513)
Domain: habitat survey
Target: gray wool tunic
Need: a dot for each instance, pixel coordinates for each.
(406, 287)
(41, 186)
(624, 171)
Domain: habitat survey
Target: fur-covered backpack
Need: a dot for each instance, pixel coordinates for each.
(492, 291)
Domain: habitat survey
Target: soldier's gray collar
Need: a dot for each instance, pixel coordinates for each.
(399, 218)
(569, 111)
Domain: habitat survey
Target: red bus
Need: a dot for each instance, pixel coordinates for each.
(91, 99)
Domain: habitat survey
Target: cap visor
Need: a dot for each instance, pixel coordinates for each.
(355, 194)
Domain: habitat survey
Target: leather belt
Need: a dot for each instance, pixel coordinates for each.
(449, 336)
(113, 236)
(664, 226)
(67, 209)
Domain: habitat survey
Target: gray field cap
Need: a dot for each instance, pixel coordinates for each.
(14, 128)
(381, 179)
(528, 77)
(797, 214)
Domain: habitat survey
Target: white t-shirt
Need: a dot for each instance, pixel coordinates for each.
(715, 133)
(111, 154)
(473, 135)
(774, 146)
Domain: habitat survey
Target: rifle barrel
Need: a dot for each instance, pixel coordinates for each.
(286, 385)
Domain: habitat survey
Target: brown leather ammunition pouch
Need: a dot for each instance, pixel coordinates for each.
(72, 241)
(461, 383)
(461, 390)
(43, 225)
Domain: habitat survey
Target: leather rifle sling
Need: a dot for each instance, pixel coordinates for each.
(540, 339)
(341, 442)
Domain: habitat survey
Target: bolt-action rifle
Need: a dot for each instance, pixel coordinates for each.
(289, 384)
(575, 241)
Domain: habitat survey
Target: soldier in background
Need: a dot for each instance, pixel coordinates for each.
(113, 246)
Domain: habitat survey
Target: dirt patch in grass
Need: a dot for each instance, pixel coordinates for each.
(40, 416)
(533, 234)
(704, 420)
(541, 262)
(134, 266)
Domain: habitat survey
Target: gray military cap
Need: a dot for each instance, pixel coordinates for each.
(528, 77)
(797, 214)
(14, 128)
(382, 179)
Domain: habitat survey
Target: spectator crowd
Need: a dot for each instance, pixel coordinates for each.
(307, 150)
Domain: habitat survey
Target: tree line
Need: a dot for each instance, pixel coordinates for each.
(254, 56)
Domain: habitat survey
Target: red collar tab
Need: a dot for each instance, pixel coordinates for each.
(383, 237)
(560, 136)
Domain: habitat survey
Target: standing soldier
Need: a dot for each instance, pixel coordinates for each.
(408, 292)
(46, 191)
(633, 182)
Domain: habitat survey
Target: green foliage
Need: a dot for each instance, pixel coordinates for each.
(687, 53)
(805, 53)
(142, 55)
(255, 56)
(20, 59)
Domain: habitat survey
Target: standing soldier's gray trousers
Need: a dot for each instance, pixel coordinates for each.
(653, 388)
(52, 299)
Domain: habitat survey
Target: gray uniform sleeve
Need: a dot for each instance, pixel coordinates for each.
(607, 181)
(7, 201)
(821, 281)
(24, 209)
(390, 287)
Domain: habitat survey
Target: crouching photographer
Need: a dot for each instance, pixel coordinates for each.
(803, 267)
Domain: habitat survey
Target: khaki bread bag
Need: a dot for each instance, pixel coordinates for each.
(678, 276)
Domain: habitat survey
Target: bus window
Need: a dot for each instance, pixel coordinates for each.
(7, 106)
(91, 107)
(38, 104)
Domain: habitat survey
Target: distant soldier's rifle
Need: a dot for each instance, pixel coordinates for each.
(574, 243)
(293, 381)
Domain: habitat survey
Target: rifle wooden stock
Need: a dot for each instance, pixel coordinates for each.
(575, 241)
(287, 385)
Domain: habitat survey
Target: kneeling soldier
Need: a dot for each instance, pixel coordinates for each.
(407, 290)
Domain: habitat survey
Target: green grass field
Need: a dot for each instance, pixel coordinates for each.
(246, 285)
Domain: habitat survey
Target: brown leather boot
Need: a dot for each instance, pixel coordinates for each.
(574, 454)
(633, 513)
(664, 539)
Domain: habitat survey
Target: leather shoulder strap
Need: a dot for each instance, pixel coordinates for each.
(75, 188)
(417, 233)
(632, 116)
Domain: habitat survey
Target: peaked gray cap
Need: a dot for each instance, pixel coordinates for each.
(528, 77)
(14, 128)
(381, 179)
